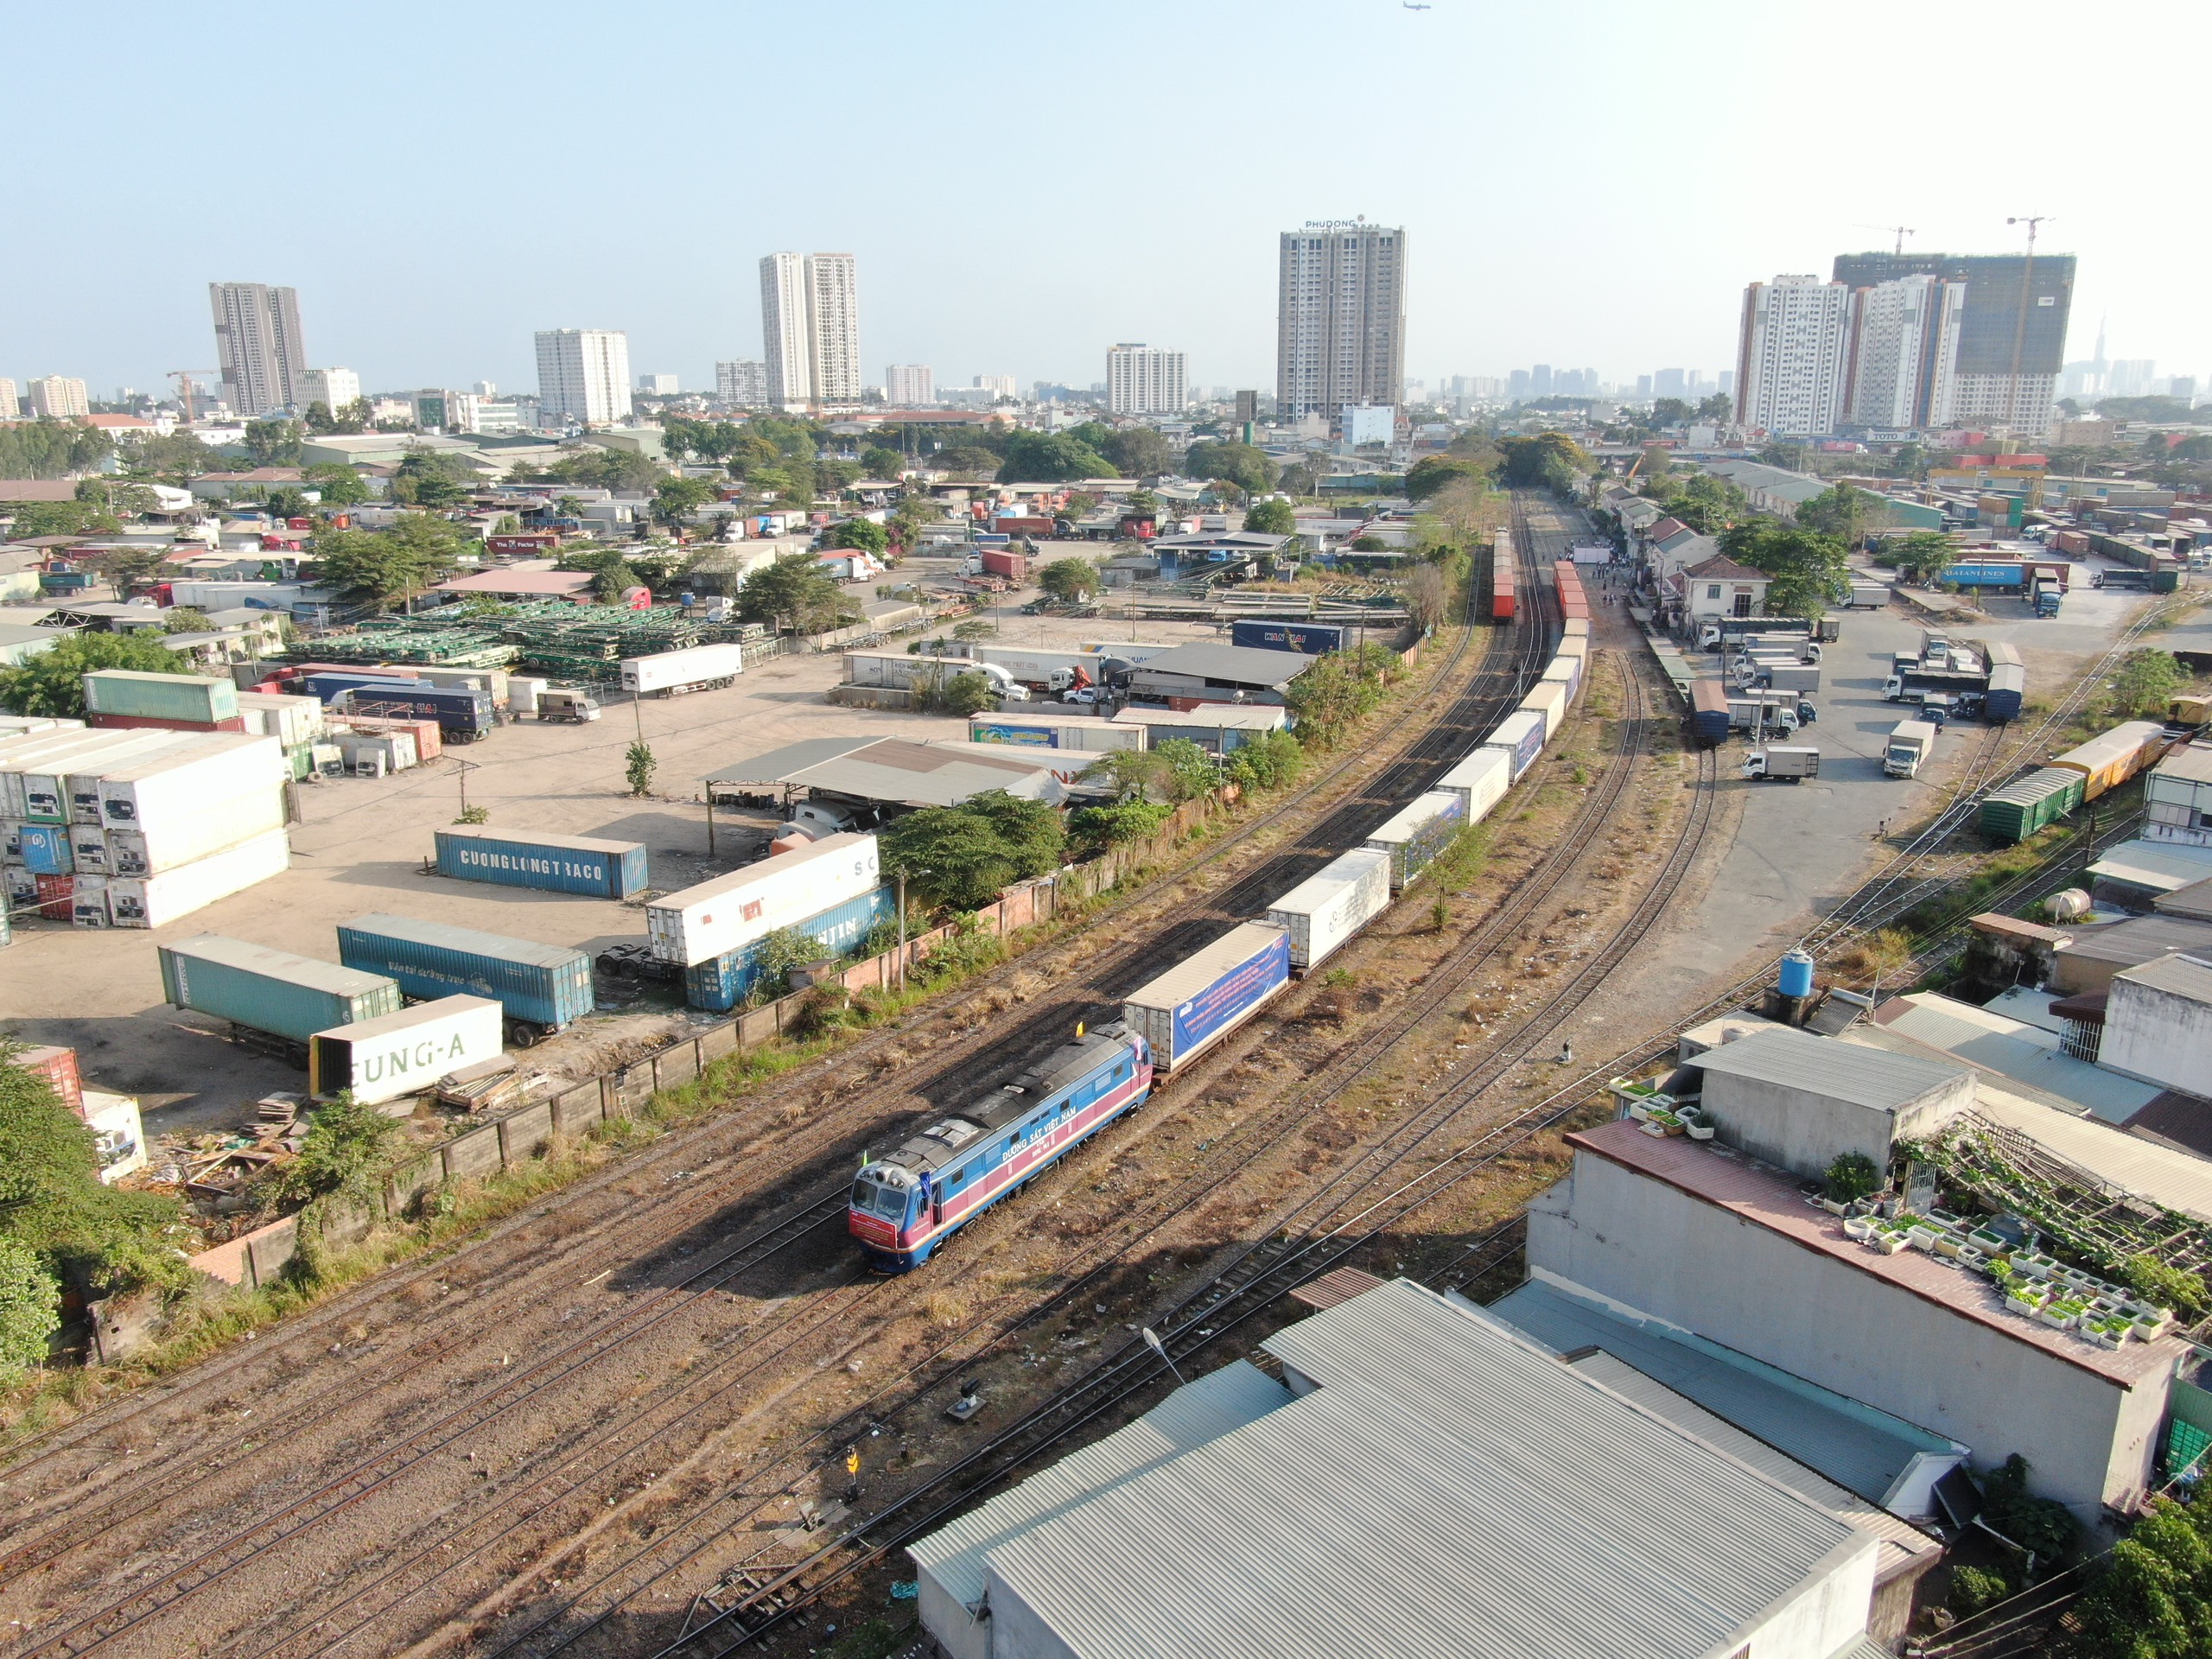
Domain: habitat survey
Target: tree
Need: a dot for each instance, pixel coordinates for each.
(863, 534)
(1431, 474)
(433, 479)
(184, 618)
(1272, 517)
(622, 471)
(30, 1310)
(381, 567)
(1240, 464)
(2153, 1597)
(1049, 457)
(1191, 771)
(675, 499)
(1268, 760)
(638, 766)
(1428, 597)
(795, 592)
(2147, 682)
(347, 1148)
(176, 454)
(1328, 698)
(1134, 775)
(50, 448)
(967, 461)
(880, 462)
(1137, 451)
(966, 856)
(52, 683)
(62, 519)
(1547, 461)
(1070, 580)
(968, 693)
(286, 504)
(339, 486)
(1923, 554)
(1670, 411)
(1807, 569)
(1840, 511)
(611, 573)
(1719, 406)
(273, 443)
(319, 420)
(117, 497)
(1118, 824)
(355, 416)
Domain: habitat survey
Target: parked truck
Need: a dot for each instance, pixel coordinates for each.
(1713, 631)
(895, 669)
(1868, 595)
(1911, 743)
(997, 561)
(1045, 671)
(1759, 713)
(1794, 763)
(672, 673)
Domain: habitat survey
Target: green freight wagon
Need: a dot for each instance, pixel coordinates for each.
(2027, 804)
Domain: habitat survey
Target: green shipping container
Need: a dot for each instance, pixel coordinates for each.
(159, 697)
(2017, 810)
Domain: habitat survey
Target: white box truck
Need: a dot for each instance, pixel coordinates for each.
(1910, 744)
(672, 673)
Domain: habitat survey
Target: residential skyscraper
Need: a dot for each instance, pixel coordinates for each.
(334, 388)
(258, 344)
(1144, 380)
(2012, 332)
(59, 398)
(10, 408)
(1340, 317)
(811, 328)
(910, 386)
(996, 386)
(583, 374)
(1904, 340)
(744, 382)
(1790, 362)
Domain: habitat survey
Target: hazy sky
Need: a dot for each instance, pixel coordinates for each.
(1582, 184)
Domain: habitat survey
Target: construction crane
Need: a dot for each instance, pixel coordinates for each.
(1900, 231)
(185, 389)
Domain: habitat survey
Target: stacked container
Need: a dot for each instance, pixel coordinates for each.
(732, 912)
(1480, 781)
(180, 824)
(721, 982)
(122, 696)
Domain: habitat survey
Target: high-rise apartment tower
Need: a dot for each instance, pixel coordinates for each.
(743, 382)
(258, 344)
(1340, 319)
(910, 386)
(59, 398)
(811, 328)
(583, 374)
(1790, 359)
(1144, 380)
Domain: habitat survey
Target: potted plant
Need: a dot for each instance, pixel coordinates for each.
(2021, 1296)
(1850, 1176)
(1990, 1242)
(1922, 1236)
(1858, 1227)
(2061, 1312)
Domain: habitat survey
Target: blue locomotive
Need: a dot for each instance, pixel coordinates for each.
(905, 1205)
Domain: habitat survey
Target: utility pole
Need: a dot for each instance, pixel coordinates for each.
(2020, 325)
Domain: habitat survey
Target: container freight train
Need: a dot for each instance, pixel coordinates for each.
(904, 1206)
(1573, 600)
(2066, 781)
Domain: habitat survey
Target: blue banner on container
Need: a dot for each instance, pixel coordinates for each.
(1242, 987)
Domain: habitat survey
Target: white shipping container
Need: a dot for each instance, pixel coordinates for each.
(1480, 781)
(396, 749)
(733, 910)
(88, 902)
(230, 765)
(88, 852)
(1549, 699)
(521, 695)
(1567, 672)
(1209, 993)
(670, 670)
(46, 755)
(82, 789)
(290, 721)
(180, 839)
(156, 900)
(1576, 645)
(1575, 628)
(407, 1053)
(20, 725)
(1332, 904)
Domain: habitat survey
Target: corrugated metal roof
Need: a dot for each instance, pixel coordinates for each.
(773, 766)
(1822, 1065)
(1238, 664)
(1204, 1410)
(445, 936)
(1902, 1541)
(2194, 901)
(1202, 967)
(2179, 976)
(2177, 1179)
(2014, 1051)
(1241, 716)
(1448, 1489)
(920, 774)
(2191, 765)
(2162, 866)
(2139, 939)
(1860, 1449)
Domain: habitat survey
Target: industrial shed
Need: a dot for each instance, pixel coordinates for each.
(1211, 673)
(884, 772)
(1798, 1101)
(1424, 1481)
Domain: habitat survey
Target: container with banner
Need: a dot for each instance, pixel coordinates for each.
(1194, 1004)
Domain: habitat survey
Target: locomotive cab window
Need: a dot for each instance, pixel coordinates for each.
(879, 1198)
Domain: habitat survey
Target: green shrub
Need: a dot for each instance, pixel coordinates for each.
(1853, 1176)
(1972, 1591)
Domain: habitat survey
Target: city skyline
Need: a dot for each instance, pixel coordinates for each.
(1644, 283)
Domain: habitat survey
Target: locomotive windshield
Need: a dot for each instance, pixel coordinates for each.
(876, 1198)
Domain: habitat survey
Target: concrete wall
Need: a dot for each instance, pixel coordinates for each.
(1658, 1249)
(1826, 1613)
(1804, 1132)
(1016, 1631)
(957, 1631)
(2158, 1036)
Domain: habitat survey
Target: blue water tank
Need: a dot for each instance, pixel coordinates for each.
(1796, 974)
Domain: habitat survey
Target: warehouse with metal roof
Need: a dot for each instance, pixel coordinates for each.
(1211, 673)
(884, 772)
(1423, 1481)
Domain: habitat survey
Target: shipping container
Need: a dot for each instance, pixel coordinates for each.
(1502, 604)
(1310, 638)
(543, 988)
(156, 900)
(36, 764)
(1575, 628)
(1800, 677)
(2008, 684)
(88, 902)
(24, 725)
(45, 848)
(1565, 670)
(1323, 910)
(54, 892)
(1548, 698)
(463, 714)
(2027, 804)
(2000, 654)
(670, 672)
(404, 1054)
(221, 769)
(180, 837)
(1051, 670)
(1997, 574)
(166, 696)
(2109, 760)
(494, 682)
(59, 1067)
(88, 850)
(1480, 780)
(267, 989)
(1195, 1004)
(1521, 735)
(291, 721)
(1576, 645)
(427, 736)
(1412, 836)
(720, 983)
(1002, 561)
(1216, 728)
(732, 911)
(1084, 733)
(598, 870)
(375, 753)
(897, 669)
(157, 723)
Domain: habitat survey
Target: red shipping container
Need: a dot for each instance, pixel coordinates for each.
(59, 1067)
(54, 892)
(161, 722)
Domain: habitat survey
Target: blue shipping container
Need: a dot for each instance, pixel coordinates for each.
(46, 849)
(1246, 986)
(327, 687)
(1521, 735)
(600, 869)
(720, 983)
(2003, 573)
(2008, 682)
(1312, 639)
(546, 985)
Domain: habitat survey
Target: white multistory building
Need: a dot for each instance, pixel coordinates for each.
(259, 344)
(1340, 318)
(909, 386)
(10, 407)
(743, 381)
(1144, 380)
(996, 386)
(59, 398)
(1791, 361)
(1903, 351)
(333, 388)
(583, 375)
(811, 328)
